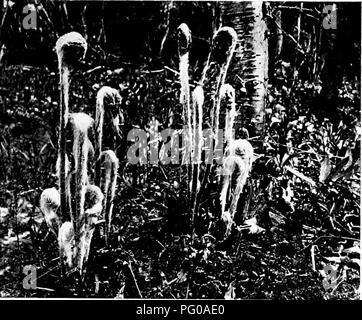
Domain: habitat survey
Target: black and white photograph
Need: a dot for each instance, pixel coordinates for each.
(180, 150)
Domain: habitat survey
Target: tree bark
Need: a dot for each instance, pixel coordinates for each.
(249, 70)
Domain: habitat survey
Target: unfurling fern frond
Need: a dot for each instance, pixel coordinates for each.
(238, 162)
(109, 168)
(49, 204)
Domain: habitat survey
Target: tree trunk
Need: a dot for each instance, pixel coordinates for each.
(249, 70)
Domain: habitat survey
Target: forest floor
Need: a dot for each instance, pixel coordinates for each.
(302, 240)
